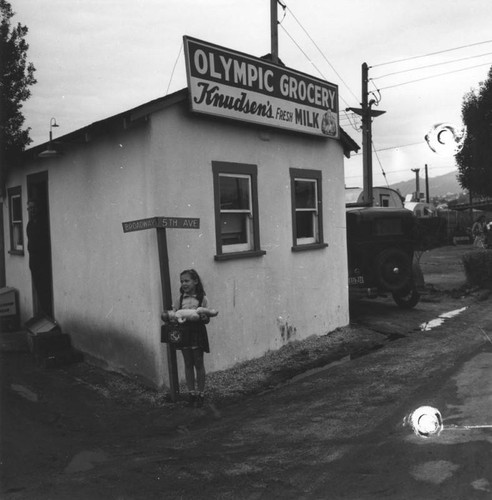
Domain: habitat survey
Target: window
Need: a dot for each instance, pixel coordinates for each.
(236, 210)
(387, 227)
(307, 223)
(15, 221)
(384, 200)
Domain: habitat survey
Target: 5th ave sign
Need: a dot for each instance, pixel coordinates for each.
(161, 222)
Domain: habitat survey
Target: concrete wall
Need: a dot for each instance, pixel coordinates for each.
(107, 291)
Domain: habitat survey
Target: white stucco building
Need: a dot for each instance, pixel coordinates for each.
(270, 247)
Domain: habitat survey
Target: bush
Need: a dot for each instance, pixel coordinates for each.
(430, 232)
(478, 268)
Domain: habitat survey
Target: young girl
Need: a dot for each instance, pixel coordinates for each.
(479, 232)
(195, 337)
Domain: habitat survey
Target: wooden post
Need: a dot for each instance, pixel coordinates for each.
(167, 305)
(417, 184)
(274, 30)
(367, 114)
(427, 194)
(160, 224)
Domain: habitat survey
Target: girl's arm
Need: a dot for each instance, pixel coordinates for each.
(203, 317)
(166, 316)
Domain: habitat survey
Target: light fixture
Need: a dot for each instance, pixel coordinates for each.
(51, 152)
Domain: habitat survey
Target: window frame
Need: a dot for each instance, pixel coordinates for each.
(16, 249)
(384, 200)
(298, 245)
(236, 251)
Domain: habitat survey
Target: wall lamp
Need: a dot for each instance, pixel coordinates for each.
(51, 152)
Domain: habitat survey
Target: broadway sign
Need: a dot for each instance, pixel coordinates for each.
(234, 85)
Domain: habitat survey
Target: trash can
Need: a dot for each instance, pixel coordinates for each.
(9, 310)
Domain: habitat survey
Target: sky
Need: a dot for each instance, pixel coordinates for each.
(98, 58)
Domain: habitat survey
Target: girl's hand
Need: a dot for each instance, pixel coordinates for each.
(168, 317)
(204, 318)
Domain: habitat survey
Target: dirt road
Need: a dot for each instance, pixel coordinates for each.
(333, 433)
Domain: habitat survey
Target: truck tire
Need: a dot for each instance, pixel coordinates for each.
(393, 268)
(407, 300)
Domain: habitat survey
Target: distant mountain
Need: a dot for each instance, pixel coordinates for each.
(441, 185)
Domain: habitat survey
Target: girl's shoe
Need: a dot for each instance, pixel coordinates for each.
(192, 400)
(200, 399)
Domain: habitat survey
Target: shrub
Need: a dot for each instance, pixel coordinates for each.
(478, 268)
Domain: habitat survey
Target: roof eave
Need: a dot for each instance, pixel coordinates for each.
(122, 120)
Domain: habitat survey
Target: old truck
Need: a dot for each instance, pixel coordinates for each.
(381, 242)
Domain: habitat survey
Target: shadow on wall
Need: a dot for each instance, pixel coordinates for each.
(115, 350)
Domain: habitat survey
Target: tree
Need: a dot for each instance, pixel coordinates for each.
(475, 159)
(16, 76)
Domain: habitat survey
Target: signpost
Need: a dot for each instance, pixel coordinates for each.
(161, 224)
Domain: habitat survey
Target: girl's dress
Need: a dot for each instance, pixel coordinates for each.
(194, 332)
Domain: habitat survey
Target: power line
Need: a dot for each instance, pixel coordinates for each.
(430, 66)
(380, 164)
(319, 71)
(304, 53)
(321, 52)
(396, 172)
(435, 76)
(431, 53)
(174, 68)
(395, 147)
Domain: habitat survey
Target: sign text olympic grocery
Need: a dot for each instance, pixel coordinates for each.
(234, 85)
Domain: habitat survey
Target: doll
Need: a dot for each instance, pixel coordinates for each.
(183, 315)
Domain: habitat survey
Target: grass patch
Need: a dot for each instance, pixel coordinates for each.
(277, 367)
(243, 379)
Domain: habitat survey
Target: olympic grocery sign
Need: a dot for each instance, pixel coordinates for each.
(234, 85)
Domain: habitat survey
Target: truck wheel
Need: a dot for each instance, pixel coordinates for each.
(394, 270)
(408, 300)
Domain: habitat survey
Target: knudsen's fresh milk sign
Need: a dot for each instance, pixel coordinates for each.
(234, 85)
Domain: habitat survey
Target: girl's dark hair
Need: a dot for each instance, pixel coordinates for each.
(200, 292)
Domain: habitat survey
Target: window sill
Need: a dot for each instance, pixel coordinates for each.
(311, 246)
(16, 252)
(240, 255)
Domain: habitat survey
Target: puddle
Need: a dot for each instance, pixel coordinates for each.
(85, 460)
(25, 392)
(434, 323)
(349, 357)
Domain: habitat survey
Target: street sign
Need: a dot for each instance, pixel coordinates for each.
(161, 222)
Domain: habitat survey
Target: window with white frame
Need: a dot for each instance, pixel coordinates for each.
(236, 209)
(307, 224)
(15, 220)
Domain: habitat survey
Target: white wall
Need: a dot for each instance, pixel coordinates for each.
(107, 291)
(304, 293)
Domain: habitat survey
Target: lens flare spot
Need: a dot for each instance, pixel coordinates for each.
(425, 421)
(445, 139)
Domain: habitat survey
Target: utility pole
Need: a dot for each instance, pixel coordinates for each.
(274, 30)
(417, 184)
(427, 194)
(367, 114)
